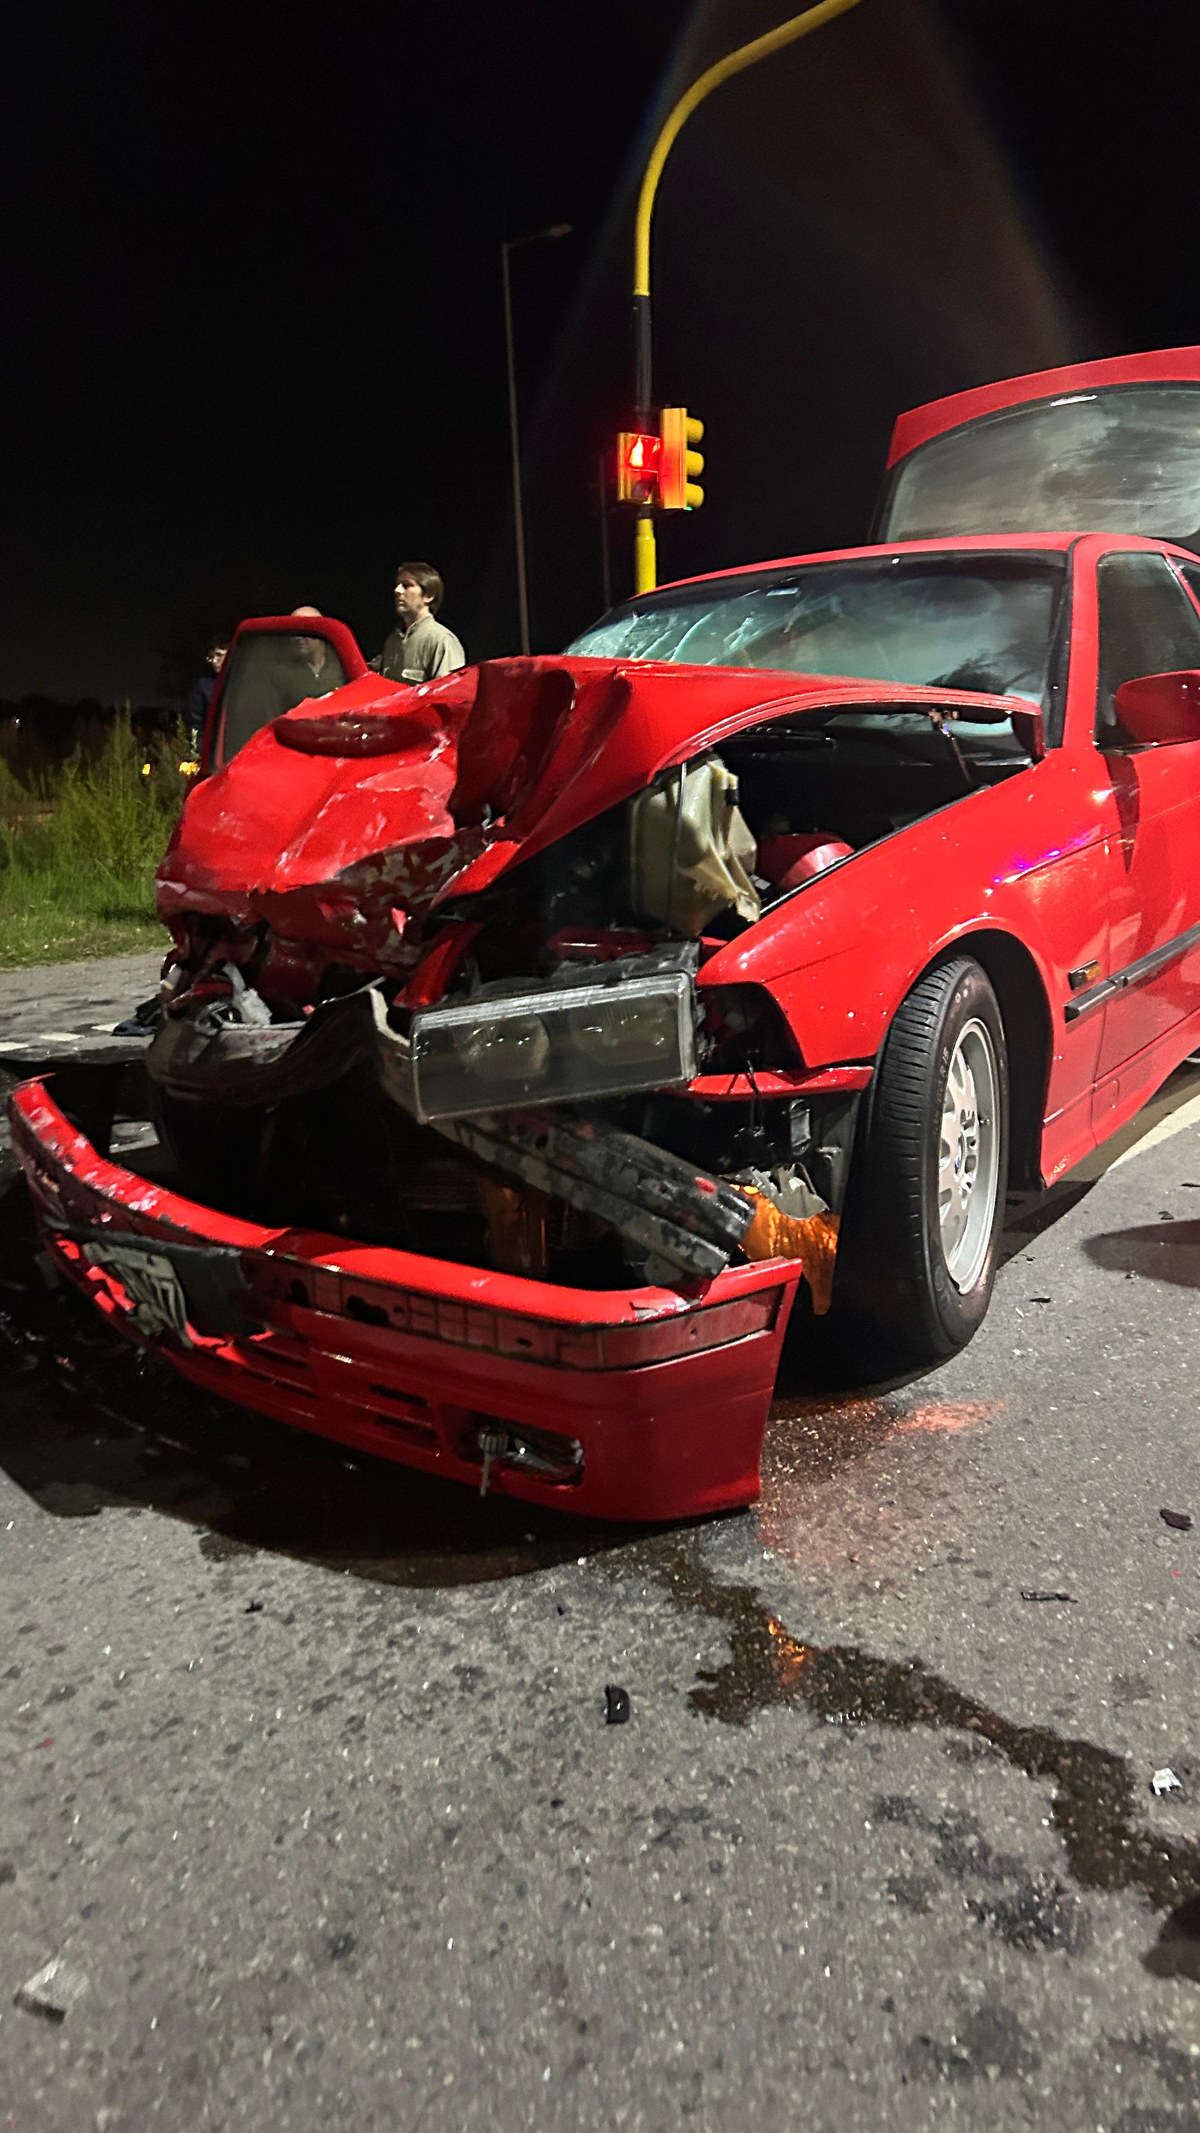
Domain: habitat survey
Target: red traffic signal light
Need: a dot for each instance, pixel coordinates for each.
(638, 456)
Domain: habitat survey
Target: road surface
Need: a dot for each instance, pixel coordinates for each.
(304, 1769)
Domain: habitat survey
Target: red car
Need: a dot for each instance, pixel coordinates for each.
(535, 1037)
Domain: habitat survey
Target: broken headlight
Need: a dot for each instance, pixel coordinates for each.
(553, 1047)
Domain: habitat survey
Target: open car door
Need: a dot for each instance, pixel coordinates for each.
(274, 662)
(1111, 447)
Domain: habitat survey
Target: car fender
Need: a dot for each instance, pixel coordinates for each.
(840, 954)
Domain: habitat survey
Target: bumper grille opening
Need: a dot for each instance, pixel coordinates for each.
(411, 1404)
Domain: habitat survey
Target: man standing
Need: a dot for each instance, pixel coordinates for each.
(319, 658)
(195, 710)
(420, 648)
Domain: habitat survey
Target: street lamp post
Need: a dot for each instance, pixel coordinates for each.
(645, 551)
(513, 244)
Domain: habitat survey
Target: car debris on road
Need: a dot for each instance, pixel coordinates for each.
(53, 1990)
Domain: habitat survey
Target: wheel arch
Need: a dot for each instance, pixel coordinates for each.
(1025, 1012)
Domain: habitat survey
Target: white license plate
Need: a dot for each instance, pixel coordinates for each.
(152, 1285)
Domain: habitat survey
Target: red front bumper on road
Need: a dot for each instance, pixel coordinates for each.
(664, 1397)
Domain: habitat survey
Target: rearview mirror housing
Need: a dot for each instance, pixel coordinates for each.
(1026, 721)
(1157, 709)
(1030, 729)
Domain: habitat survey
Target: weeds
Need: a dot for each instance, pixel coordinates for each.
(78, 854)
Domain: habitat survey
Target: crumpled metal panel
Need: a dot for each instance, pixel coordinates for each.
(498, 761)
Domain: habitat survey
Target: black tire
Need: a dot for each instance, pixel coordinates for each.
(893, 1282)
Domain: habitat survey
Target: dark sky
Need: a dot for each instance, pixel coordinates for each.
(254, 350)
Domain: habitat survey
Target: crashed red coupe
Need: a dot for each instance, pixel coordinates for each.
(536, 1037)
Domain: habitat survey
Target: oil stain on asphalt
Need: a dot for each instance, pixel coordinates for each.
(1094, 1804)
(84, 1430)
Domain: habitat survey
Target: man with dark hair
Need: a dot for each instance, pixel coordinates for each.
(195, 710)
(419, 648)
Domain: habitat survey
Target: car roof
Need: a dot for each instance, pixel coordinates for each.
(975, 544)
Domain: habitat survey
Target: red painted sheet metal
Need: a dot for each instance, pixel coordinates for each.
(408, 1356)
(1163, 366)
(335, 634)
(519, 752)
(801, 1081)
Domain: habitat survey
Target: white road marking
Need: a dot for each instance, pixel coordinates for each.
(1178, 1121)
(62, 1036)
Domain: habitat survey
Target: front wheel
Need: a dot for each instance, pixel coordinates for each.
(917, 1253)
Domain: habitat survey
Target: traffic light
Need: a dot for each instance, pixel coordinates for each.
(638, 456)
(677, 491)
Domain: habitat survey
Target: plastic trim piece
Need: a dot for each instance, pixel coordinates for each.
(1136, 973)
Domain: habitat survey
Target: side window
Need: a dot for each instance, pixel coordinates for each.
(270, 671)
(1147, 626)
(1190, 573)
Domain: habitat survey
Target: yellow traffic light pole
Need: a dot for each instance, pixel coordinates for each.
(645, 553)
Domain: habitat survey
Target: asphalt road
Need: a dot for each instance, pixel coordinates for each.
(304, 1767)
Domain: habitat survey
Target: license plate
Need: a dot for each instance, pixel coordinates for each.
(152, 1285)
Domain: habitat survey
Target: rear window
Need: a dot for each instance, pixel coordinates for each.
(1121, 459)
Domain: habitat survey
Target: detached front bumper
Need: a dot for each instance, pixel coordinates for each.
(630, 1404)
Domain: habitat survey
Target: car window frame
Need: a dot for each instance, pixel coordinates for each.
(1114, 741)
(338, 635)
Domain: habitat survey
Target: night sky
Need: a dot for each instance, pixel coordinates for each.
(254, 353)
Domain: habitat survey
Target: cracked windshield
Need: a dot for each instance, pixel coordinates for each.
(985, 625)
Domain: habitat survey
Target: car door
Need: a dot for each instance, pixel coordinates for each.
(1148, 624)
(273, 663)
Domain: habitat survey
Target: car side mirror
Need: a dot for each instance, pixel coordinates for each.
(1157, 709)
(1030, 729)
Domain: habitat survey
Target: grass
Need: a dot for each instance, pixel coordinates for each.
(77, 856)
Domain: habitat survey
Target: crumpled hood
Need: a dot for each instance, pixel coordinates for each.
(380, 797)
(357, 811)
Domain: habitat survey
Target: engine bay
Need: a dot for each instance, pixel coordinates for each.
(517, 1088)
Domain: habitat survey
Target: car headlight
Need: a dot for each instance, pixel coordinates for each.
(510, 1048)
(553, 1046)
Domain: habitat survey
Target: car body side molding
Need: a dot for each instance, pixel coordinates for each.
(1135, 973)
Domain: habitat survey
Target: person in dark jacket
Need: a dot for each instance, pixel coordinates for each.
(199, 697)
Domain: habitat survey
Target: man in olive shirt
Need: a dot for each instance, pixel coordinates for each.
(420, 648)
